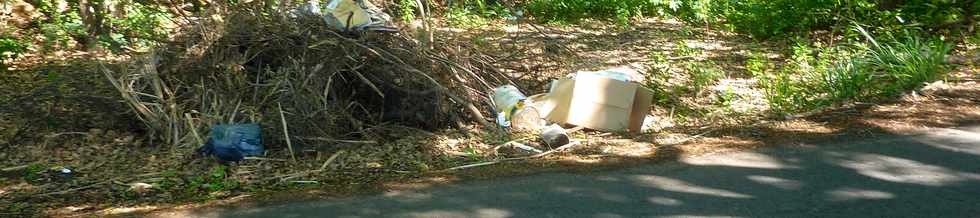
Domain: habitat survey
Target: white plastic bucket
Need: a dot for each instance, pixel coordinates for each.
(506, 97)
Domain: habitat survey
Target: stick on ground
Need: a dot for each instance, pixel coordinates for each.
(285, 130)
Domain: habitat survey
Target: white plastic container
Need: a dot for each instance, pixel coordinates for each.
(506, 97)
(514, 111)
(527, 118)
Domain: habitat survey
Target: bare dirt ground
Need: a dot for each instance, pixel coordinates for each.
(63, 115)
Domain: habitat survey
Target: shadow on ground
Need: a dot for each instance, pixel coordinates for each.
(935, 173)
(849, 162)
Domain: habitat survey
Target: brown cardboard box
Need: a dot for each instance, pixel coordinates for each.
(596, 102)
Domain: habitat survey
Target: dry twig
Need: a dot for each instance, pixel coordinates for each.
(285, 130)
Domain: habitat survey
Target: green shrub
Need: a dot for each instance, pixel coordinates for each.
(859, 72)
(767, 18)
(467, 18)
(846, 80)
(703, 75)
(880, 70)
(60, 30)
(574, 10)
(907, 62)
(143, 26)
(786, 93)
(762, 18)
(10, 48)
(407, 10)
(621, 10)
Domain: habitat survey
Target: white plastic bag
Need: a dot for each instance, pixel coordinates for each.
(348, 15)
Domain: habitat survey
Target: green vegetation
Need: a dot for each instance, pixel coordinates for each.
(858, 68)
(10, 48)
(463, 17)
(211, 185)
(853, 72)
(709, 62)
(407, 10)
(34, 172)
(763, 18)
(115, 26)
(474, 14)
(703, 75)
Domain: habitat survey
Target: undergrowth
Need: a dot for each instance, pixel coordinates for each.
(883, 67)
(762, 18)
(10, 48)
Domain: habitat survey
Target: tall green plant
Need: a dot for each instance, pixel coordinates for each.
(845, 80)
(881, 67)
(905, 62)
(407, 10)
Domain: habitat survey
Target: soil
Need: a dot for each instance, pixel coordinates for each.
(63, 115)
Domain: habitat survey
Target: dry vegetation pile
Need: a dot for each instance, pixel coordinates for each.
(299, 78)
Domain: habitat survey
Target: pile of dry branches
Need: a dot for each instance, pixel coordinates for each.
(301, 80)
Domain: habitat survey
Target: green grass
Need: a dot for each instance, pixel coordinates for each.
(905, 63)
(703, 75)
(880, 68)
(466, 18)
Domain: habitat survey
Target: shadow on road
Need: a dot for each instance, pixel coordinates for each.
(857, 169)
(922, 175)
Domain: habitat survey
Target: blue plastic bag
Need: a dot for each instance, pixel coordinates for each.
(234, 142)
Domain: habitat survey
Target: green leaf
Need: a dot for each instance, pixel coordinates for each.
(53, 76)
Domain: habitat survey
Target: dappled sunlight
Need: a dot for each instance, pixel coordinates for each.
(408, 196)
(900, 170)
(747, 97)
(18, 187)
(746, 160)
(626, 148)
(126, 210)
(824, 179)
(566, 189)
(850, 194)
(747, 119)
(600, 194)
(369, 211)
(698, 216)
(475, 213)
(785, 184)
(608, 179)
(807, 126)
(665, 201)
(708, 45)
(952, 140)
(675, 185)
(946, 103)
(71, 209)
(583, 160)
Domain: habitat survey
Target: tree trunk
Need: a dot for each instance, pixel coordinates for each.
(93, 15)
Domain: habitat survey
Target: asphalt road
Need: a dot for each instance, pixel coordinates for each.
(931, 174)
